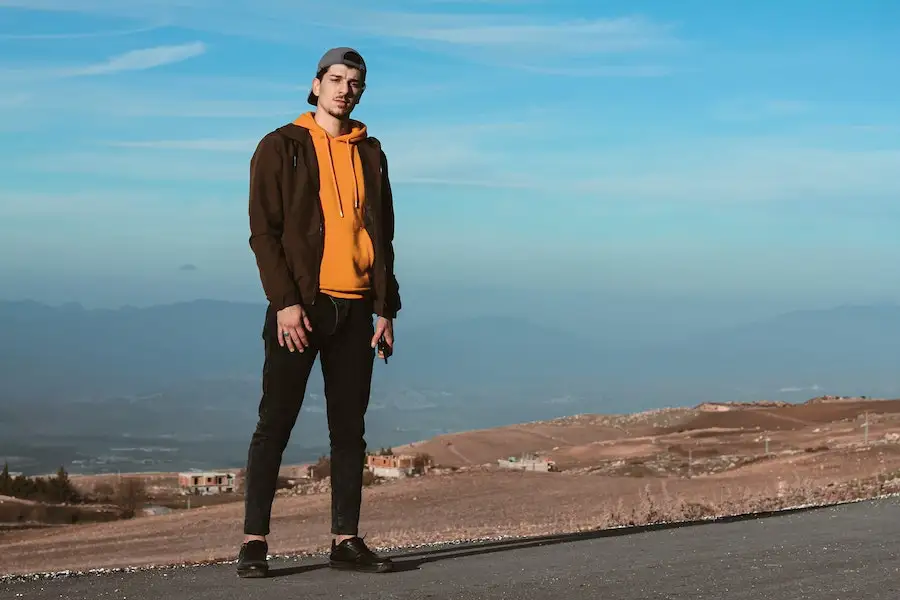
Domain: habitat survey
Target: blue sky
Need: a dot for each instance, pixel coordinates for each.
(743, 150)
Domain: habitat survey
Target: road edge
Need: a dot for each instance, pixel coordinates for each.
(475, 543)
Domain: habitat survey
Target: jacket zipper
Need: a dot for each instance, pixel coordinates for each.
(321, 241)
(376, 239)
(367, 217)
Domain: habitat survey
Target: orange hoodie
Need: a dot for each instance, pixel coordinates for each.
(349, 254)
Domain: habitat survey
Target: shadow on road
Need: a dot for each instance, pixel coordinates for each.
(411, 561)
(299, 570)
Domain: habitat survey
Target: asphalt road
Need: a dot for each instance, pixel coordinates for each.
(843, 553)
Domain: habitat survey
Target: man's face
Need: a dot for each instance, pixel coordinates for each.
(339, 90)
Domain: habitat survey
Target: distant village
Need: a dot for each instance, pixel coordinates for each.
(382, 464)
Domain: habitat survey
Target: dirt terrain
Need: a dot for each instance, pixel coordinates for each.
(669, 464)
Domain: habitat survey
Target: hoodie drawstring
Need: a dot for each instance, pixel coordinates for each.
(337, 190)
(355, 183)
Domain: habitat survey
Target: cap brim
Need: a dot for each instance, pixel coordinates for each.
(313, 99)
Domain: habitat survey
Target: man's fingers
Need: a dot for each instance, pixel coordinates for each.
(306, 322)
(293, 340)
(286, 338)
(379, 331)
(298, 339)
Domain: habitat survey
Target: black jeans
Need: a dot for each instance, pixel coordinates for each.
(341, 336)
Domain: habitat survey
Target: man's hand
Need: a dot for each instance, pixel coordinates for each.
(384, 329)
(291, 323)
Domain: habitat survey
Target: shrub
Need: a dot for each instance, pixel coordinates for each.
(369, 478)
(321, 469)
(130, 494)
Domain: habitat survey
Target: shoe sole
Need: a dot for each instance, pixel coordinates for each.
(253, 572)
(342, 566)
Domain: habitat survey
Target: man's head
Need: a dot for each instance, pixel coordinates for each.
(339, 82)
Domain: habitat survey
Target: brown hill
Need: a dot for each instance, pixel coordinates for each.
(582, 440)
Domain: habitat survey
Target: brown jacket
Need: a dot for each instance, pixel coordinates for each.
(287, 228)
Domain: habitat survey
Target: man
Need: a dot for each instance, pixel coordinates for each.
(321, 228)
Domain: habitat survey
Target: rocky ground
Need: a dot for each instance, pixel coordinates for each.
(674, 464)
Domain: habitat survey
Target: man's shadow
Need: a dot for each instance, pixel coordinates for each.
(411, 561)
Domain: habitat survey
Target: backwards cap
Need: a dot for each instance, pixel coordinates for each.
(337, 56)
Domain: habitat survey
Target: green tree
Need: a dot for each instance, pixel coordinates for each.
(5, 481)
(22, 487)
(60, 488)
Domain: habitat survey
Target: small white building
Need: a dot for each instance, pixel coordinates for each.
(527, 463)
(206, 482)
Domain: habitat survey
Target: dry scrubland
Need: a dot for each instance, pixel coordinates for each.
(665, 465)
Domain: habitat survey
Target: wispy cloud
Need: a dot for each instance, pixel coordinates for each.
(752, 110)
(704, 170)
(142, 165)
(604, 71)
(139, 60)
(630, 46)
(134, 60)
(201, 97)
(484, 2)
(205, 145)
(99, 202)
(874, 128)
(14, 99)
(723, 172)
(75, 35)
(582, 37)
(94, 6)
(521, 38)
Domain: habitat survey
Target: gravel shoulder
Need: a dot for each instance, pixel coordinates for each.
(847, 552)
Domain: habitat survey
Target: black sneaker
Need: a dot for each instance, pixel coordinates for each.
(252, 559)
(353, 555)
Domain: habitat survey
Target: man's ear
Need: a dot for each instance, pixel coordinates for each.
(316, 84)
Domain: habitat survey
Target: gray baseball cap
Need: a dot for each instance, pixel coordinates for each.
(337, 56)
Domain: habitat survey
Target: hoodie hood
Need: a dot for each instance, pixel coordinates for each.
(338, 152)
(357, 132)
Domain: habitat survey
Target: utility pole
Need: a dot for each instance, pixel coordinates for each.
(767, 445)
(866, 429)
(690, 462)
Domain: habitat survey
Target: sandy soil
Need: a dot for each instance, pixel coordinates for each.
(664, 465)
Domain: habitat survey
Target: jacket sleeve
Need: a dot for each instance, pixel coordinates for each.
(392, 303)
(267, 224)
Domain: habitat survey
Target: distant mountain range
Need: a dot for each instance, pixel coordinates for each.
(181, 382)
